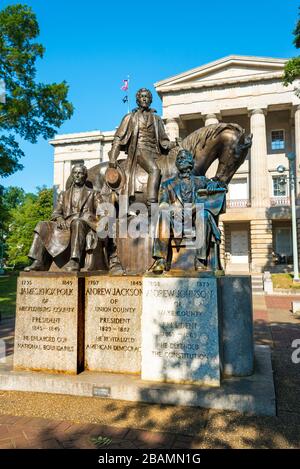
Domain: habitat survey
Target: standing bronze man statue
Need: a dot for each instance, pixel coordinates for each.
(73, 225)
(142, 136)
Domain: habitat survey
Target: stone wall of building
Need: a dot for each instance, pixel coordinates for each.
(261, 244)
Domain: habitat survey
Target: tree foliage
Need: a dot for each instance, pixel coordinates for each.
(292, 67)
(10, 197)
(31, 109)
(296, 33)
(23, 219)
(13, 197)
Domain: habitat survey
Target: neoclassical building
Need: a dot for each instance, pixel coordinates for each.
(248, 91)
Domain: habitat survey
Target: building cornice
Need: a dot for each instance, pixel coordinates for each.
(83, 137)
(216, 65)
(219, 83)
(80, 137)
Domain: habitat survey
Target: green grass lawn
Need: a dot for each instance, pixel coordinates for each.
(284, 281)
(8, 289)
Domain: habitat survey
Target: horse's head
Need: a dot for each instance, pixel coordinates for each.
(243, 145)
(234, 156)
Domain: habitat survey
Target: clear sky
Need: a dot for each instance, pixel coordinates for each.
(95, 44)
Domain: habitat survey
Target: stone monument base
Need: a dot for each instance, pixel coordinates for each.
(254, 394)
(171, 339)
(113, 307)
(181, 330)
(49, 322)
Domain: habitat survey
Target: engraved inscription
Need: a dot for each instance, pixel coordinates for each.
(46, 324)
(112, 329)
(180, 330)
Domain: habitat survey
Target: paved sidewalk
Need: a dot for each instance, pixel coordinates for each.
(37, 433)
(31, 420)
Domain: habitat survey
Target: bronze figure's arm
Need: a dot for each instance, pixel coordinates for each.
(117, 144)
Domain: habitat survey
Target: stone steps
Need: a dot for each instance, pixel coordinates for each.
(257, 284)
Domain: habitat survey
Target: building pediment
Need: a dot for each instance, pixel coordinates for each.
(227, 70)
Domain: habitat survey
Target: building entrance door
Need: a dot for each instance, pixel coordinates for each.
(239, 247)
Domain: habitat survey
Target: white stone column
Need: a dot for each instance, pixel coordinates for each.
(297, 149)
(210, 119)
(258, 160)
(67, 172)
(172, 129)
(58, 179)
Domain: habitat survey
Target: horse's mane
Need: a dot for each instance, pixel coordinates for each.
(204, 135)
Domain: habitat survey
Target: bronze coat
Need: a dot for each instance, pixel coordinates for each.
(126, 139)
(170, 194)
(56, 240)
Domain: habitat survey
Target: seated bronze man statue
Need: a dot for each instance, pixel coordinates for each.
(196, 191)
(73, 225)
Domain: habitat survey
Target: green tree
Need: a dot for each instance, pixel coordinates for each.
(3, 211)
(13, 196)
(31, 109)
(24, 217)
(292, 67)
(10, 197)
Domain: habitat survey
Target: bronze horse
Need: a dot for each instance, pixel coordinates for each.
(227, 143)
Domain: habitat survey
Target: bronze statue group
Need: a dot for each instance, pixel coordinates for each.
(71, 233)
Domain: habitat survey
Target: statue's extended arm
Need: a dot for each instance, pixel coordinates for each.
(212, 185)
(114, 152)
(116, 145)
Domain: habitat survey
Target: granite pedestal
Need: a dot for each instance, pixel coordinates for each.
(113, 307)
(192, 329)
(181, 330)
(237, 325)
(49, 322)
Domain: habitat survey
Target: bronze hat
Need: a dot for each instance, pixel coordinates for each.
(115, 177)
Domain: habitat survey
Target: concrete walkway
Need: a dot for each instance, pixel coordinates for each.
(31, 420)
